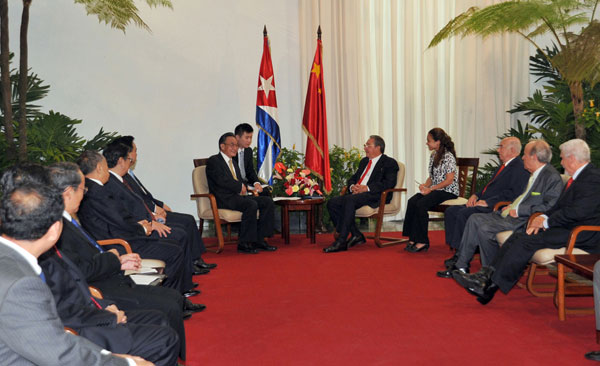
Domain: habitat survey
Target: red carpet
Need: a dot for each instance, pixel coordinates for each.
(369, 306)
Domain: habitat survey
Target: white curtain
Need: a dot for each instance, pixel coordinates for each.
(380, 78)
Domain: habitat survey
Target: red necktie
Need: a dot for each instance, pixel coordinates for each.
(365, 173)
(569, 183)
(497, 173)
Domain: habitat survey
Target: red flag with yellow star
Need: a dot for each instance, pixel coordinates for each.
(314, 123)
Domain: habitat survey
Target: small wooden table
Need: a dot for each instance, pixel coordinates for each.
(582, 264)
(308, 205)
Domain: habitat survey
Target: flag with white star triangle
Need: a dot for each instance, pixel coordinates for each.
(269, 140)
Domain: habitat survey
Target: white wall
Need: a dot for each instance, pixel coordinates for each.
(176, 89)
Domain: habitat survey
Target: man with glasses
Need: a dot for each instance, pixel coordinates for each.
(376, 173)
(225, 182)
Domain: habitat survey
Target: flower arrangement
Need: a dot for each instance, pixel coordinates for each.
(296, 182)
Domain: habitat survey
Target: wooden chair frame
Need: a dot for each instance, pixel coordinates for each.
(463, 165)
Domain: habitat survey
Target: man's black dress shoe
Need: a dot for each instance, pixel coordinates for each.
(450, 262)
(448, 272)
(199, 271)
(194, 308)
(191, 293)
(202, 264)
(186, 314)
(594, 355)
(247, 248)
(356, 240)
(470, 281)
(336, 247)
(264, 246)
(488, 293)
(195, 284)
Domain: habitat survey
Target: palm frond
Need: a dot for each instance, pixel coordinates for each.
(120, 13)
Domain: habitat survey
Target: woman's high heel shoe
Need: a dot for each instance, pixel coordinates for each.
(415, 249)
(409, 246)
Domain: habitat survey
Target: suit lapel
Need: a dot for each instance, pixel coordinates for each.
(377, 168)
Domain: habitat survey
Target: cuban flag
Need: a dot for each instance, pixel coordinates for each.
(269, 140)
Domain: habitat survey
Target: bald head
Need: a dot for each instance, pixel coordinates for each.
(509, 148)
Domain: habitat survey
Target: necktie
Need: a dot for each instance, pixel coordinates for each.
(241, 164)
(92, 241)
(365, 172)
(137, 181)
(232, 170)
(497, 174)
(569, 182)
(71, 264)
(143, 202)
(43, 277)
(518, 200)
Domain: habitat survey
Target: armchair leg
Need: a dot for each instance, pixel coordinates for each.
(388, 240)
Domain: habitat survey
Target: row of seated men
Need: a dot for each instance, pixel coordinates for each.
(532, 185)
(145, 321)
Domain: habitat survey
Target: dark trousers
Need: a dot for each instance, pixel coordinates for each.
(252, 229)
(180, 237)
(342, 212)
(416, 220)
(140, 297)
(455, 219)
(188, 223)
(516, 252)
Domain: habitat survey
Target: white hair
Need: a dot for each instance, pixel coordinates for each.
(577, 148)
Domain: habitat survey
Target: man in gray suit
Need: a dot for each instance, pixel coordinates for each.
(31, 332)
(541, 193)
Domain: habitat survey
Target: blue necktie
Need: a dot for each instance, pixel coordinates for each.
(74, 222)
(43, 277)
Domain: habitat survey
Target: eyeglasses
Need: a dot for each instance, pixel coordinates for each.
(75, 188)
(130, 160)
(231, 145)
(367, 145)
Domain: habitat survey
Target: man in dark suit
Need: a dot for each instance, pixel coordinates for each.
(243, 134)
(162, 211)
(507, 183)
(32, 333)
(579, 204)
(542, 192)
(224, 181)
(376, 173)
(105, 217)
(104, 269)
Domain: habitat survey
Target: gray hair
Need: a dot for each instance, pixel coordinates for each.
(514, 144)
(378, 141)
(577, 148)
(542, 150)
(64, 174)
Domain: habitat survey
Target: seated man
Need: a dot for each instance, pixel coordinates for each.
(507, 183)
(118, 161)
(162, 210)
(32, 333)
(104, 269)
(105, 217)
(224, 181)
(579, 204)
(542, 192)
(595, 355)
(376, 173)
(243, 158)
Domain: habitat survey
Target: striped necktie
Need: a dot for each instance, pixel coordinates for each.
(92, 241)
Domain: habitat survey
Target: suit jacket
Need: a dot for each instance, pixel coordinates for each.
(105, 217)
(220, 180)
(383, 176)
(77, 310)
(251, 176)
(31, 333)
(142, 191)
(133, 202)
(543, 194)
(578, 205)
(509, 184)
(100, 269)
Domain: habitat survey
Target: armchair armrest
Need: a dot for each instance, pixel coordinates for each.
(96, 292)
(501, 204)
(71, 331)
(386, 192)
(120, 242)
(344, 190)
(575, 232)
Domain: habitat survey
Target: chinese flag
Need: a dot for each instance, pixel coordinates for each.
(314, 123)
